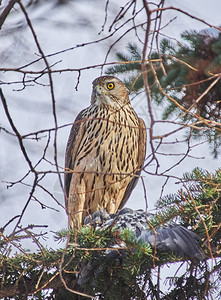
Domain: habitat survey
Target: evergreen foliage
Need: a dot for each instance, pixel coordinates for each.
(198, 204)
(185, 71)
(129, 270)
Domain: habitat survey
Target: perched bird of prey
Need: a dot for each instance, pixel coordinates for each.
(105, 152)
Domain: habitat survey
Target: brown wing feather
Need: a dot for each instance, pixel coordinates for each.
(141, 157)
(75, 137)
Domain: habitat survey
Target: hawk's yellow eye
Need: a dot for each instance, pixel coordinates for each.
(110, 85)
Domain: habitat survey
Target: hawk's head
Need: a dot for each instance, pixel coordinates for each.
(109, 90)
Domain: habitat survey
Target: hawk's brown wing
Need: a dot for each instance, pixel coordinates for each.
(141, 157)
(75, 137)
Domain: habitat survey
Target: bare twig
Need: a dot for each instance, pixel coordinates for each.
(6, 12)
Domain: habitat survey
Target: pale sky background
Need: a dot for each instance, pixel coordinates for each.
(31, 107)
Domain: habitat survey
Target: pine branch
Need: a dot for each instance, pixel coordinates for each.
(125, 248)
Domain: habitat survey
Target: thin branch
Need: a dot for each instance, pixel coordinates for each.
(51, 89)
(6, 12)
(145, 80)
(188, 14)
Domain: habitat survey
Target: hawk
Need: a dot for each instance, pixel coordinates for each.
(105, 152)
